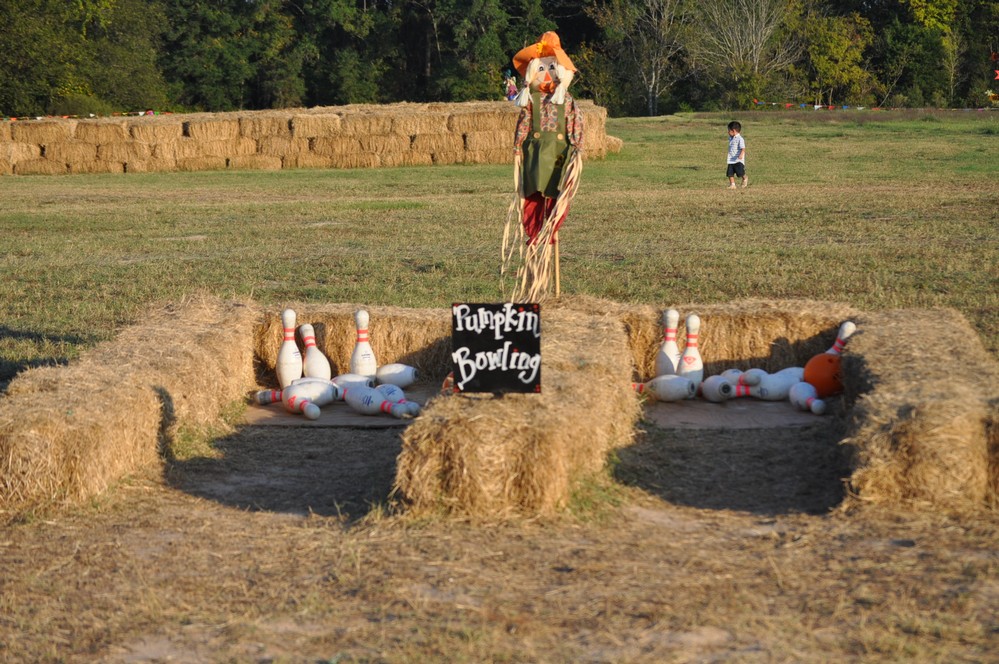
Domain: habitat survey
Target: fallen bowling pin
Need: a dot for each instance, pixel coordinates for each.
(667, 388)
(717, 389)
(668, 356)
(369, 401)
(804, 397)
(362, 360)
(691, 365)
(395, 394)
(289, 358)
(774, 387)
(400, 375)
(797, 372)
(734, 376)
(753, 376)
(315, 364)
(353, 379)
(266, 397)
(295, 403)
(317, 390)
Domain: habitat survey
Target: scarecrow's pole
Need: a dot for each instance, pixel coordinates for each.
(557, 271)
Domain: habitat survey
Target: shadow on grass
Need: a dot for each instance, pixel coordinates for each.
(9, 369)
(763, 471)
(334, 472)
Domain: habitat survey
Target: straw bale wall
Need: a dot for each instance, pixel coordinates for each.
(922, 428)
(354, 136)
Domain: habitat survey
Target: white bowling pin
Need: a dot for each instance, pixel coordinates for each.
(774, 387)
(717, 389)
(289, 359)
(667, 388)
(265, 397)
(804, 397)
(348, 379)
(369, 401)
(691, 364)
(668, 356)
(395, 394)
(845, 331)
(315, 364)
(296, 403)
(753, 376)
(400, 375)
(362, 360)
(797, 372)
(317, 390)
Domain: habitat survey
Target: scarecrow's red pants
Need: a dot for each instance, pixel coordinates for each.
(536, 209)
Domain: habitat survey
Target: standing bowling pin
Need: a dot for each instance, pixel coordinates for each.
(400, 375)
(369, 401)
(315, 364)
(667, 388)
(362, 360)
(691, 364)
(804, 397)
(395, 394)
(289, 359)
(668, 356)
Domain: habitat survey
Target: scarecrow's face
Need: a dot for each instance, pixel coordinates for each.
(544, 75)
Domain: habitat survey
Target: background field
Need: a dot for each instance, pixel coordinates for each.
(671, 561)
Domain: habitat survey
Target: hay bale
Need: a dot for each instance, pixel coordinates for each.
(16, 151)
(71, 152)
(613, 144)
(156, 130)
(453, 143)
(335, 146)
(373, 122)
(42, 132)
(4, 131)
(307, 125)
(483, 116)
(425, 121)
(6, 167)
(66, 433)
(490, 140)
(102, 131)
(383, 144)
(279, 146)
(417, 159)
(256, 162)
(97, 166)
(202, 163)
(40, 167)
(922, 427)
(355, 161)
(265, 125)
(309, 160)
(124, 151)
(480, 455)
(498, 156)
(222, 128)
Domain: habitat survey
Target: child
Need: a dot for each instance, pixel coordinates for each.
(736, 155)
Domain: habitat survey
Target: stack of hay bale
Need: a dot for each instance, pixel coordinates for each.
(355, 136)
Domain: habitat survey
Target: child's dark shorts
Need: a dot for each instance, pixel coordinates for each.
(737, 169)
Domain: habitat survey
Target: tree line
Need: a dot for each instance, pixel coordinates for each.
(635, 57)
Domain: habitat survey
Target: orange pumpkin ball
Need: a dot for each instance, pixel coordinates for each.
(823, 373)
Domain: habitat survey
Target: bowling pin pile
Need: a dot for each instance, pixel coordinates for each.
(680, 376)
(307, 382)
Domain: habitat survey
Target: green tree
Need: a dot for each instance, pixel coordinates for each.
(835, 55)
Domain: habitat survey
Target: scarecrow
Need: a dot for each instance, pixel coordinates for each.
(548, 160)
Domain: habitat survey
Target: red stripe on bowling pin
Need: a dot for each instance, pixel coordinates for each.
(289, 333)
(692, 340)
(362, 335)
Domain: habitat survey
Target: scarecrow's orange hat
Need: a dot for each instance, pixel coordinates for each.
(548, 45)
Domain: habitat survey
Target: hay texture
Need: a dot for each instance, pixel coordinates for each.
(924, 421)
(352, 136)
(67, 433)
(521, 455)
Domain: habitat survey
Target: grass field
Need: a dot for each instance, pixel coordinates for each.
(859, 208)
(684, 556)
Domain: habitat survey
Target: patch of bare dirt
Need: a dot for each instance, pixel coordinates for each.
(711, 546)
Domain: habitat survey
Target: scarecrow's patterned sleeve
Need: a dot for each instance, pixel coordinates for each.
(573, 123)
(523, 128)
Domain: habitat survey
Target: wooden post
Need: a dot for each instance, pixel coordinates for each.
(557, 271)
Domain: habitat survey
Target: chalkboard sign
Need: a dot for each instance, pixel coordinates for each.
(496, 347)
